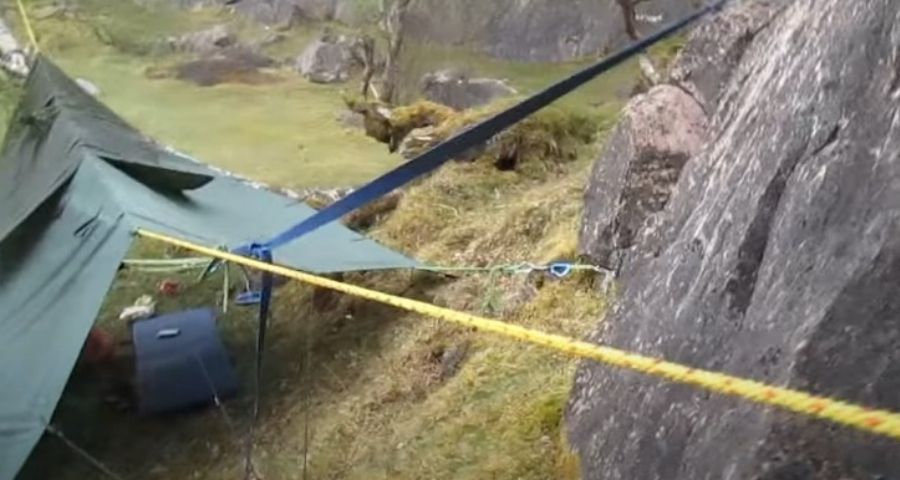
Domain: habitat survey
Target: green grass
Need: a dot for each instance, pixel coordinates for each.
(606, 92)
(286, 133)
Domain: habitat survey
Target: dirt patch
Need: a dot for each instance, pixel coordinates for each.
(209, 72)
(234, 66)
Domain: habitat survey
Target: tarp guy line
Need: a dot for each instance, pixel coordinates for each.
(879, 422)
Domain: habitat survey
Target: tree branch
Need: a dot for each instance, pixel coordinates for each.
(395, 25)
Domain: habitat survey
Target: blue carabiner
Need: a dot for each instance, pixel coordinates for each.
(560, 269)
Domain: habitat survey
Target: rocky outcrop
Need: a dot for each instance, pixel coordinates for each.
(458, 91)
(526, 30)
(287, 12)
(706, 63)
(284, 13)
(326, 60)
(632, 180)
(536, 30)
(777, 259)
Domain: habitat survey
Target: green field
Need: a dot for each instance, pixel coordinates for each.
(286, 133)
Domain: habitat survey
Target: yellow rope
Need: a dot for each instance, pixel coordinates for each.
(31, 36)
(880, 422)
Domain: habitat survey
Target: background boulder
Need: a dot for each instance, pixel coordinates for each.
(461, 92)
(525, 30)
(536, 30)
(326, 61)
(777, 259)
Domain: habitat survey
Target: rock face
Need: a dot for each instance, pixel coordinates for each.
(637, 170)
(705, 65)
(461, 92)
(326, 61)
(276, 12)
(526, 30)
(536, 30)
(778, 259)
(287, 12)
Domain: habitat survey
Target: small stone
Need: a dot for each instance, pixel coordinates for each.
(88, 87)
(452, 358)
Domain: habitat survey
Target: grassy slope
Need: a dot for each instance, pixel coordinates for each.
(286, 133)
(500, 417)
(371, 396)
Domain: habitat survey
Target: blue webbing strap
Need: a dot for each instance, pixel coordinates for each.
(476, 135)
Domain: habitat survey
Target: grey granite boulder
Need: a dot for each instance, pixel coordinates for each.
(778, 259)
(462, 92)
(633, 178)
(326, 61)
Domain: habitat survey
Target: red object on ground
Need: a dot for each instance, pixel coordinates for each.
(169, 287)
(99, 347)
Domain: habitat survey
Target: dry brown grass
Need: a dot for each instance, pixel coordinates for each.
(380, 405)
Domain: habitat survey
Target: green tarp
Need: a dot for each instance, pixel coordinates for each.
(75, 182)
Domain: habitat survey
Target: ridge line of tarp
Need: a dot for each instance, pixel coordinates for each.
(478, 134)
